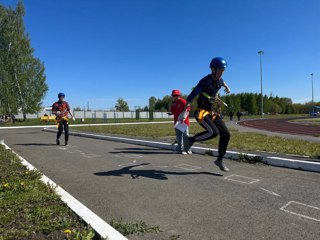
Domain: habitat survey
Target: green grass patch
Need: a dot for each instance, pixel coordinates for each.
(241, 141)
(36, 122)
(251, 160)
(29, 209)
(129, 228)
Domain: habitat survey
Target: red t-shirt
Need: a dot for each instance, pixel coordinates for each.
(63, 107)
(177, 107)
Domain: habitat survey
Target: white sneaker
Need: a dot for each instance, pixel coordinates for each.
(184, 153)
(189, 152)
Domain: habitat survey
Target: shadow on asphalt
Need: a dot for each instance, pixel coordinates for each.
(35, 144)
(154, 174)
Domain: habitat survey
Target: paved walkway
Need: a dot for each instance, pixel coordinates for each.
(186, 196)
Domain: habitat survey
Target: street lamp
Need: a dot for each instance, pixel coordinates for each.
(312, 90)
(260, 53)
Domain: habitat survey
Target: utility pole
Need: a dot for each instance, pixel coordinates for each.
(261, 53)
(312, 91)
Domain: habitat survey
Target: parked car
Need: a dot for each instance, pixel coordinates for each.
(314, 114)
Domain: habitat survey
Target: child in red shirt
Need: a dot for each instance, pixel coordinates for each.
(181, 118)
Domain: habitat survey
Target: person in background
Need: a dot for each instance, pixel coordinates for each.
(181, 115)
(239, 115)
(231, 115)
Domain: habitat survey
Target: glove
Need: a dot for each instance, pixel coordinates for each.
(73, 118)
(58, 113)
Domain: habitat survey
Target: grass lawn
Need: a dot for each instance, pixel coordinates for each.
(36, 122)
(240, 141)
(31, 210)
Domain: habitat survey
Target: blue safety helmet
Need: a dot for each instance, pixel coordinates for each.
(61, 95)
(218, 63)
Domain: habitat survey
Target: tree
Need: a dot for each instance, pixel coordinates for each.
(22, 78)
(163, 104)
(121, 105)
(152, 103)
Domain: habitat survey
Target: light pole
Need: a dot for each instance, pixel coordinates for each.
(312, 90)
(260, 53)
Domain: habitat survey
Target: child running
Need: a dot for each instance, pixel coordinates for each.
(207, 88)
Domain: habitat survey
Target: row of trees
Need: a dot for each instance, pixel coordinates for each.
(244, 102)
(22, 78)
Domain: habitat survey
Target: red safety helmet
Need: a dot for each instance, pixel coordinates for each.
(176, 93)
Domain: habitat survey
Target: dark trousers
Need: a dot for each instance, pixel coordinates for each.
(213, 129)
(63, 124)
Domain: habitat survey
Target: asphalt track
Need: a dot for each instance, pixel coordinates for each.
(184, 195)
(283, 126)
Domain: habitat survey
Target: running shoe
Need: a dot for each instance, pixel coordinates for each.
(220, 164)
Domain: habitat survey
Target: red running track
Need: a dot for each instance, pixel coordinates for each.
(283, 126)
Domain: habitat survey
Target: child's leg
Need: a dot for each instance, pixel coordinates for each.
(224, 136)
(211, 130)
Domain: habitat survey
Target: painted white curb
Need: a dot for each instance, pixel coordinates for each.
(292, 163)
(274, 161)
(97, 223)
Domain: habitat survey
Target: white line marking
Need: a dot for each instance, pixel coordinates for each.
(298, 214)
(188, 167)
(127, 164)
(132, 156)
(241, 179)
(270, 192)
(69, 152)
(62, 148)
(97, 223)
(90, 155)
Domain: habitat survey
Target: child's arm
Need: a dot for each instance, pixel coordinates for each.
(227, 89)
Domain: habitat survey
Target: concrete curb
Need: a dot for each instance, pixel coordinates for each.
(97, 223)
(270, 160)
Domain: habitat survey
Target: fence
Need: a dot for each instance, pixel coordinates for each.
(105, 115)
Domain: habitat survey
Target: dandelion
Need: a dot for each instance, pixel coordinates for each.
(6, 185)
(22, 183)
(67, 231)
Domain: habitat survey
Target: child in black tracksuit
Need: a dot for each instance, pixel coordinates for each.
(207, 89)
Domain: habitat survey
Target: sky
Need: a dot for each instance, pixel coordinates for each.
(100, 50)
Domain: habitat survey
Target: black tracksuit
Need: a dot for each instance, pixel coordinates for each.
(216, 127)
